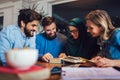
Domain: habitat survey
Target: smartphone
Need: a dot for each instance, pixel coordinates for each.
(56, 70)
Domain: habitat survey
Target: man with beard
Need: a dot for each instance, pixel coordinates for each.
(21, 35)
(50, 42)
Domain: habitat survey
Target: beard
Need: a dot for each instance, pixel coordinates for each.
(28, 32)
(50, 37)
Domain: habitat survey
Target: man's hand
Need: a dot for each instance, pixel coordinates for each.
(47, 57)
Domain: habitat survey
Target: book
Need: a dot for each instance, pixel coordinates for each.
(34, 73)
(72, 59)
(78, 73)
(55, 60)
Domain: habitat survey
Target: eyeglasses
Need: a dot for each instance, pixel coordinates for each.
(74, 31)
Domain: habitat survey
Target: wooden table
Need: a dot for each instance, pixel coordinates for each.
(51, 65)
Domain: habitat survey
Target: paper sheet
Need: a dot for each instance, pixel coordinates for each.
(73, 73)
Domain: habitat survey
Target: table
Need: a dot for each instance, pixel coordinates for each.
(51, 65)
(58, 76)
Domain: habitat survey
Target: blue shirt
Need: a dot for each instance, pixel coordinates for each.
(53, 46)
(111, 47)
(12, 37)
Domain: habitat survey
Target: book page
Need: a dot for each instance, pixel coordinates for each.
(73, 73)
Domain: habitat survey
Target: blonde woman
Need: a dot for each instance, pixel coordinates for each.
(99, 25)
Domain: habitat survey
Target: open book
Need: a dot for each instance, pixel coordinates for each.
(34, 73)
(72, 59)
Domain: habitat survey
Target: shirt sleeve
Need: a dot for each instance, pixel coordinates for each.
(5, 43)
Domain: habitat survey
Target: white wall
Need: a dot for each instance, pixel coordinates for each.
(10, 9)
(10, 12)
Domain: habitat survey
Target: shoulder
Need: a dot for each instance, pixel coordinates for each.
(61, 36)
(39, 36)
(116, 34)
(10, 30)
(117, 30)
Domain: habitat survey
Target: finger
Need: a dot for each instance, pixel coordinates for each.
(43, 59)
(60, 56)
(98, 57)
(102, 63)
(48, 57)
(63, 56)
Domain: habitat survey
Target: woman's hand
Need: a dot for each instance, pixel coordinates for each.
(95, 59)
(105, 62)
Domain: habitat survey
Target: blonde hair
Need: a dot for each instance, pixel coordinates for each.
(101, 19)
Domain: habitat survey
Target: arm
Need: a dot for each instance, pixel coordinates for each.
(105, 62)
(40, 45)
(5, 44)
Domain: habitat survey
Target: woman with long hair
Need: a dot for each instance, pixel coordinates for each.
(99, 25)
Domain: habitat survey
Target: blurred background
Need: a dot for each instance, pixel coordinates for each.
(61, 10)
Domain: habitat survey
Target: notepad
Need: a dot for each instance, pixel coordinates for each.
(78, 73)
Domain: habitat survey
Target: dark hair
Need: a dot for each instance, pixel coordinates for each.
(47, 21)
(28, 15)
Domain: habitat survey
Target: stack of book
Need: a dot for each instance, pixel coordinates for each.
(34, 73)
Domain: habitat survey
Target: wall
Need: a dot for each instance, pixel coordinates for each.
(10, 8)
(10, 12)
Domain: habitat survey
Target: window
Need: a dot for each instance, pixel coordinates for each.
(64, 12)
(1, 21)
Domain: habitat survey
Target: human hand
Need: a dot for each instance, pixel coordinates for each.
(105, 62)
(62, 55)
(47, 57)
(95, 59)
